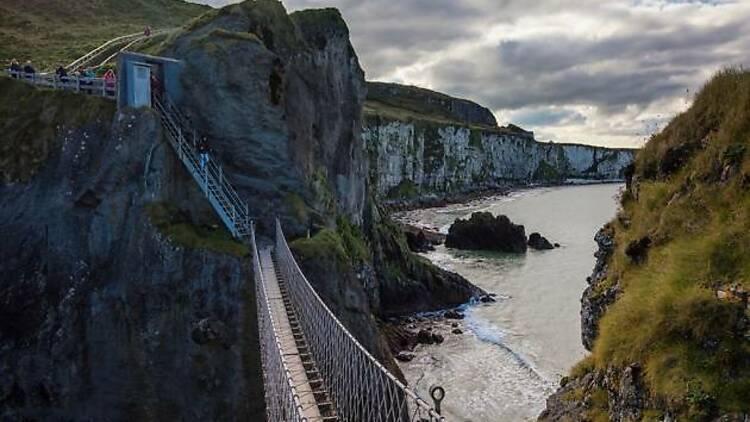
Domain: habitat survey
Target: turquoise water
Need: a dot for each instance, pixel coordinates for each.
(514, 352)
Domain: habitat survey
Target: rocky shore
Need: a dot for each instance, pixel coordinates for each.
(404, 334)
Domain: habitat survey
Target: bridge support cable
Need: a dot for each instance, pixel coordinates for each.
(210, 176)
(361, 388)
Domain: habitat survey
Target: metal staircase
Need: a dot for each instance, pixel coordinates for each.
(210, 177)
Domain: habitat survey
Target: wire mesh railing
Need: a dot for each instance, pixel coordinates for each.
(282, 398)
(362, 389)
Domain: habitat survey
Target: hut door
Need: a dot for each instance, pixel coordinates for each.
(142, 86)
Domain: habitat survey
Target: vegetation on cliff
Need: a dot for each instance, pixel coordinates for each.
(178, 229)
(682, 262)
(55, 32)
(32, 119)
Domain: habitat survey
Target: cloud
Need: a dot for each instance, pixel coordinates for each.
(591, 71)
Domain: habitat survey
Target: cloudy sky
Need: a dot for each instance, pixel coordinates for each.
(591, 71)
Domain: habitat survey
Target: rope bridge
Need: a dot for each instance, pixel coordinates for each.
(313, 368)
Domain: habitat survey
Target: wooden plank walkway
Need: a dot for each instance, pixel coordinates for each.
(284, 333)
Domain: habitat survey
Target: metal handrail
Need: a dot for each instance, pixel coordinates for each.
(81, 60)
(361, 387)
(221, 194)
(91, 86)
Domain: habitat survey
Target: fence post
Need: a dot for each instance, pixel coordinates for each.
(78, 83)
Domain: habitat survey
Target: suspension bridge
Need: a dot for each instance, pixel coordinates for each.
(314, 369)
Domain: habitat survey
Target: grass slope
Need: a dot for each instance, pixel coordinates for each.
(691, 200)
(54, 32)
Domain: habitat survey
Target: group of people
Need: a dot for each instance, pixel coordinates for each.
(83, 75)
(16, 68)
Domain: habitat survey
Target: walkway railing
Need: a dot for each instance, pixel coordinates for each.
(233, 212)
(86, 58)
(362, 389)
(282, 397)
(91, 86)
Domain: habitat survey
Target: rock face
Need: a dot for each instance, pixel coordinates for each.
(614, 394)
(539, 242)
(422, 158)
(485, 231)
(101, 316)
(280, 98)
(597, 296)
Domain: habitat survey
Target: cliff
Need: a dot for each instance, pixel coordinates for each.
(108, 310)
(666, 313)
(427, 145)
(122, 296)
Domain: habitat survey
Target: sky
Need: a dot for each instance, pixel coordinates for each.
(588, 71)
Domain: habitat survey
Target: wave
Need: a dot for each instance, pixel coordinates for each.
(489, 333)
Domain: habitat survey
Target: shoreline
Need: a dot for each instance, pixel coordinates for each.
(394, 206)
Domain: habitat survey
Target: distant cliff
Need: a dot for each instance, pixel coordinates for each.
(432, 145)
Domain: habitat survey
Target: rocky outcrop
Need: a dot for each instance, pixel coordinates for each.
(539, 242)
(280, 98)
(615, 394)
(599, 294)
(414, 158)
(102, 316)
(418, 242)
(407, 283)
(485, 231)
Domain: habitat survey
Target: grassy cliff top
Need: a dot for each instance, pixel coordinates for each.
(55, 32)
(406, 102)
(682, 259)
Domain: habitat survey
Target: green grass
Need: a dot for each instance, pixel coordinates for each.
(346, 245)
(406, 189)
(692, 200)
(176, 227)
(31, 120)
(55, 32)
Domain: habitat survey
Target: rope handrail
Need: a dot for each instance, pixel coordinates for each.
(361, 387)
(281, 395)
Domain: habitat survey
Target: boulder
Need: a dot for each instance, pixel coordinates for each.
(405, 356)
(417, 242)
(437, 338)
(539, 242)
(453, 314)
(483, 231)
(424, 337)
(457, 331)
(487, 299)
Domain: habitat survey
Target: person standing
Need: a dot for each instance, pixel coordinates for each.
(203, 153)
(110, 82)
(61, 73)
(29, 70)
(15, 68)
